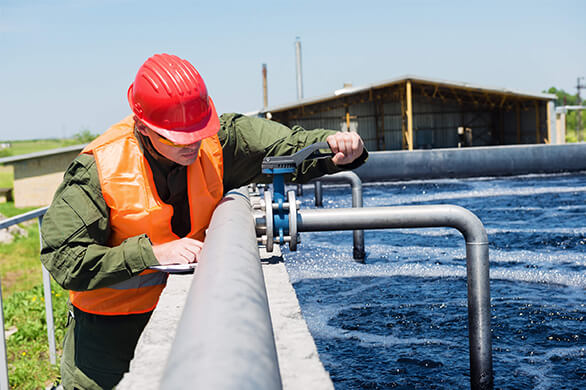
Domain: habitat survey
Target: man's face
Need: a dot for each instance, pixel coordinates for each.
(180, 154)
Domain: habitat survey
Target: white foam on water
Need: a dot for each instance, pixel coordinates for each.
(467, 194)
(541, 368)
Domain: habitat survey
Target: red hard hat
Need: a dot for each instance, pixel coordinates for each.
(170, 97)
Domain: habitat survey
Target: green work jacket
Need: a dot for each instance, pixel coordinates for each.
(76, 227)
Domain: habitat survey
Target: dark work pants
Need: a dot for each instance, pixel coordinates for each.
(98, 349)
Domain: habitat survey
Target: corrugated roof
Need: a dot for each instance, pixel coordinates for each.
(28, 156)
(385, 83)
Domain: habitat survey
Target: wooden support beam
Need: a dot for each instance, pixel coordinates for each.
(380, 124)
(548, 111)
(409, 114)
(518, 111)
(537, 124)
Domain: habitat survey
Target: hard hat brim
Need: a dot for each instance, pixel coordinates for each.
(207, 127)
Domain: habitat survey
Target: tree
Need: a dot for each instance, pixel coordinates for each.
(84, 136)
(564, 98)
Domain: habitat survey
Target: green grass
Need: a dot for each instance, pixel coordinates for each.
(22, 293)
(32, 146)
(28, 349)
(6, 177)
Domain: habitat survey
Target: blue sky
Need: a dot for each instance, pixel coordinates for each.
(66, 65)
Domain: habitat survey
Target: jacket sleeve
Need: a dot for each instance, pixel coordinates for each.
(75, 233)
(247, 140)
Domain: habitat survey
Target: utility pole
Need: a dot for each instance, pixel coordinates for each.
(298, 68)
(579, 111)
(265, 93)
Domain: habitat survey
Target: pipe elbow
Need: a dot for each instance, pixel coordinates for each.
(468, 224)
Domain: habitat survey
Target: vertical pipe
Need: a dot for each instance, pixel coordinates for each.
(3, 359)
(298, 68)
(318, 194)
(265, 93)
(358, 252)
(48, 304)
(299, 190)
(354, 180)
(479, 336)
(409, 116)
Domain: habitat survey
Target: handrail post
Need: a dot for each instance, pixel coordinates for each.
(48, 303)
(3, 359)
(38, 213)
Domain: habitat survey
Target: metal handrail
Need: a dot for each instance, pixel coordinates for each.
(38, 213)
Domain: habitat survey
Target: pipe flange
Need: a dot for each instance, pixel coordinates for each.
(269, 220)
(292, 220)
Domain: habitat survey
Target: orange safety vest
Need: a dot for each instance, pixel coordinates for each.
(135, 208)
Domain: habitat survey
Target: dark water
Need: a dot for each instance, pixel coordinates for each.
(400, 320)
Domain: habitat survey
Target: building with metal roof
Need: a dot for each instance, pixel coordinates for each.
(413, 112)
(37, 175)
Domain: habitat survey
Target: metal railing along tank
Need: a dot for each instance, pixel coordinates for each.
(39, 213)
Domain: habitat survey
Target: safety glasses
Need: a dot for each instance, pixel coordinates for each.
(142, 127)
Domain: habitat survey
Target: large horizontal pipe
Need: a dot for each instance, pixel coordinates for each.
(477, 264)
(473, 162)
(224, 339)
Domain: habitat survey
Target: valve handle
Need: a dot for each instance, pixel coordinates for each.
(311, 152)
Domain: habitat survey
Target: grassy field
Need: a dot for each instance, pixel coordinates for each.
(24, 309)
(6, 176)
(32, 146)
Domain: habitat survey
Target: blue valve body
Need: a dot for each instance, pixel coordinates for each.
(280, 215)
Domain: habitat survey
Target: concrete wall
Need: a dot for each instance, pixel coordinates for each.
(36, 179)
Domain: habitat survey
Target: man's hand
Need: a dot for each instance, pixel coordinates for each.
(182, 251)
(347, 146)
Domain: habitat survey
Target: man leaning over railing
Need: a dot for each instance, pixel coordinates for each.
(141, 195)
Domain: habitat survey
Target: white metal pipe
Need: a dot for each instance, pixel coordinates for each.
(298, 68)
(48, 303)
(4, 385)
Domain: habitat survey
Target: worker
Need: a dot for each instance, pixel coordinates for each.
(142, 194)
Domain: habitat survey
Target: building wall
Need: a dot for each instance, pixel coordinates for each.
(491, 119)
(36, 179)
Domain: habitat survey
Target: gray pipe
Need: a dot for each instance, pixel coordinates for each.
(356, 183)
(477, 264)
(473, 162)
(318, 194)
(224, 339)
